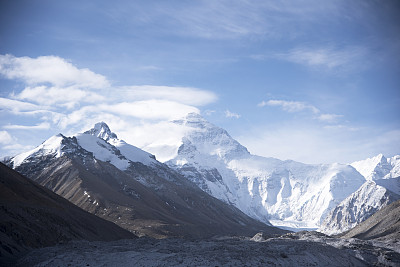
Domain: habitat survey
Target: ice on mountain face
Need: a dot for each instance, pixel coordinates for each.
(395, 162)
(115, 151)
(102, 131)
(210, 139)
(119, 153)
(357, 207)
(383, 171)
(103, 150)
(264, 188)
(54, 147)
(378, 167)
(51, 146)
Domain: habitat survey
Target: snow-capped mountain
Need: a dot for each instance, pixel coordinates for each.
(99, 141)
(384, 171)
(357, 207)
(127, 151)
(381, 188)
(130, 187)
(287, 193)
(378, 167)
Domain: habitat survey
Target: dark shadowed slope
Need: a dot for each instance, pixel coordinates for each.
(384, 225)
(170, 209)
(32, 216)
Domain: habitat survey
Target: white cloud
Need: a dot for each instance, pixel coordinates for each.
(329, 117)
(290, 106)
(17, 106)
(184, 95)
(62, 104)
(10, 145)
(68, 97)
(5, 137)
(40, 126)
(145, 102)
(328, 58)
(49, 69)
(229, 114)
(143, 110)
(208, 112)
(151, 109)
(296, 106)
(15, 149)
(159, 138)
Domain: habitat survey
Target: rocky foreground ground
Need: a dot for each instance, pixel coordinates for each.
(299, 249)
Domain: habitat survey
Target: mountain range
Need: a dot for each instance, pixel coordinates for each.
(287, 193)
(87, 167)
(123, 184)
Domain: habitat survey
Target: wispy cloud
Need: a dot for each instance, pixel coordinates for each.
(40, 126)
(329, 117)
(15, 106)
(208, 112)
(224, 19)
(296, 106)
(5, 137)
(184, 95)
(289, 106)
(328, 58)
(10, 144)
(67, 97)
(149, 68)
(230, 114)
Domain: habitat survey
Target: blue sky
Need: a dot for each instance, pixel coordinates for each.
(313, 81)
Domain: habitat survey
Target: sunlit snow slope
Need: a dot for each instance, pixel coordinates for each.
(287, 193)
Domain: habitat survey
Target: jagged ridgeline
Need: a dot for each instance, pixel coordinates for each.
(128, 186)
(289, 194)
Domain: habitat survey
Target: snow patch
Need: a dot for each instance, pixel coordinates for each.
(50, 146)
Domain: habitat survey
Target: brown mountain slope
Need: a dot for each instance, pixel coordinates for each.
(383, 225)
(163, 209)
(32, 216)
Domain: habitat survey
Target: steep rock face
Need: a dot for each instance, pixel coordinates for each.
(148, 199)
(357, 207)
(286, 192)
(384, 225)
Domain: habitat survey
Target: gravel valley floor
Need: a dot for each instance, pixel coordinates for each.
(299, 249)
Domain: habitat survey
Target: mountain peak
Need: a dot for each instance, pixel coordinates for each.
(195, 121)
(373, 168)
(102, 131)
(208, 139)
(193, 116)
